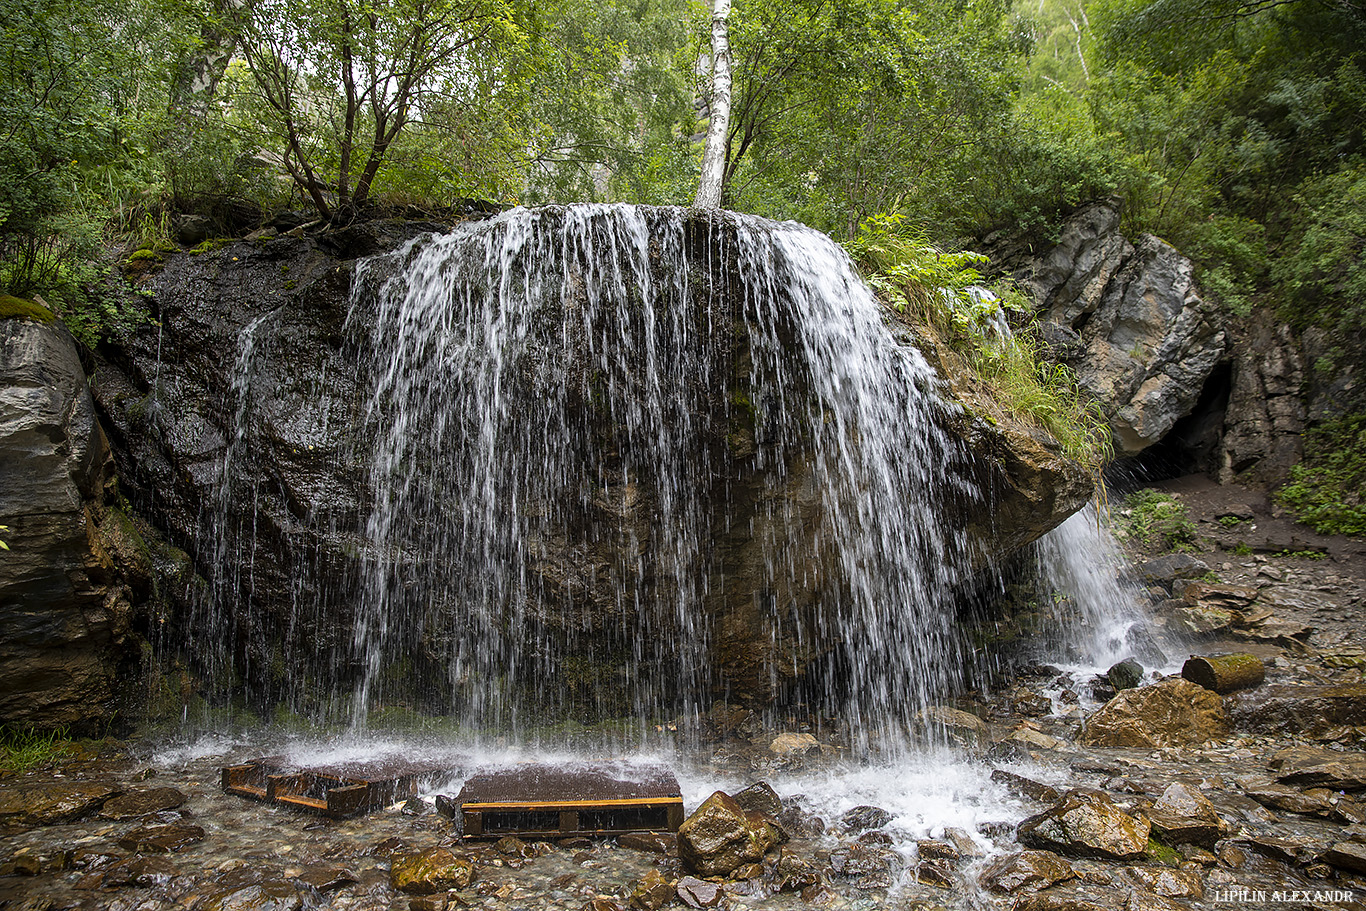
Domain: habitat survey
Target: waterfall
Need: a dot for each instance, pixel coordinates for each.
(612, 447)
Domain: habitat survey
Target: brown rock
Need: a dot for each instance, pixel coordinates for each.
(787, 746)
(161, 839)
(1086, 824)
(936, 873)
(862, 859)
(650, 842)
(1182, 815)
(1167, 882)
(1290, 800)
(1027, 870)
(135, 804)
(1348, 855)
(697, 893)
(1043, 901)
(430, 871)
(1026, 787)
(1304, 766)
(652, 892)
(326, 878)
(1173, 712)
(54, 803)
(270, 895)
(1287, 709)
(954, 725)
(796, 874)
(760, 798)
(719, 837)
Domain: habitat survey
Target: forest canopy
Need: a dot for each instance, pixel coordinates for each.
(1233, 128)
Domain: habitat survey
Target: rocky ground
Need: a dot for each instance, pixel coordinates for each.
(1169, 795)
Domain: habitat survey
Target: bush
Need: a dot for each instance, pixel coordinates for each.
(1328, 489)
(940, 294)
(1156, 521)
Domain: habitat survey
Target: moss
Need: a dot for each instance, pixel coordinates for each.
(210, 245)
(144, 255)
(17, 308)
(1160, 854)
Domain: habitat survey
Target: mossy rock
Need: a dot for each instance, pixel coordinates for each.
(210, 245)
(17, 308)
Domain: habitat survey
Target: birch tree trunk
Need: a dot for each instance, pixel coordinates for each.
(714, 152)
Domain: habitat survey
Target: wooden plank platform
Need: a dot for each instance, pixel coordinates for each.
(550, 801)
(336, 791)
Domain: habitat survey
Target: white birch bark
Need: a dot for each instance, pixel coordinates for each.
(714, 152)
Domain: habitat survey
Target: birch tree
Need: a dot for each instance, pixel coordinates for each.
(712, 183)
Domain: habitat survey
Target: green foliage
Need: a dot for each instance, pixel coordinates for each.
(1157, 521)
(24, 748)
(1328, 489)
(940, 293)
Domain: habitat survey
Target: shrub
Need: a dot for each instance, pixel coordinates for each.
(1327, 490)
(1156, 521)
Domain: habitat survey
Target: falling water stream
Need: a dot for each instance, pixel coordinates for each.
(603, 442)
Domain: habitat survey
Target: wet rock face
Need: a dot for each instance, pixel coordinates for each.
(1128, 318)
(64, 606)
(431, 871)
(298, 498)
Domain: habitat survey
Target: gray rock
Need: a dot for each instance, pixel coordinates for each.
(64, 608)
(1125, 675)
(1029, 870)
(863, 818)
(1086, 824)
(1169, 567)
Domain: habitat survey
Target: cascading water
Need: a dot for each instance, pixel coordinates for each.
(583, 419)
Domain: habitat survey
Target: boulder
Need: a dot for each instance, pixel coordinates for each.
(1182, 815)
(1172, 712)
(1028, 870)
(864, 818)
(244, 424)
(719, 837)
(65, 607)
(1306, 710)
(1086, 824)
(787, 746)
(166, 839)
(1304, 766)
(760, 798)
(652, 892)
(142, 803)
(957, 727)
(52, 803)
(433, 870)
(697, 893)
(1348, 855)
(1125, 675)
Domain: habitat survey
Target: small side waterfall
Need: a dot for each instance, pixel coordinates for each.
(613, 447)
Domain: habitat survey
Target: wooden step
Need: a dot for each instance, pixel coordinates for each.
(538, 800)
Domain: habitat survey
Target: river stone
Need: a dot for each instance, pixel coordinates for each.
(697, 893)
(1026, 787)
(863, 859)
(1304, 766)
(54, 803)
(719, 837)
(327, 877)
(1172, 712)
(270, 895)
(142, 803)
(651, 893)
(1125, 675)
(1167, 882)
(166, 839)
(796, 873)
(788, 746)
(1289, 800)
(430, 871)
(1349, 855)
(649, 842)
(1308, 710)
(1046, 901)
(760, 798)
(1182, 815)
(957, 726)
(1166, 569)
(1086, 824)
(862, 818)
(1026, 870)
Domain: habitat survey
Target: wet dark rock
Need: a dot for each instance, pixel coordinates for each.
(1086, 824)
(760, 798)
(861, 859)
(650, 842)
(652, 892)
(1308, 767)
(1289, 800)
(1026, 787)
(796, 874)
(136, 871)
(447, 806)
(136, 804)
(603, 903)
(957, 727)
(270, 895)
(1286, 850)
(1031, 870)
(719, 837)
(790, 746)
(939, 873)
(1167, 882)
(1290, 709)
(327, 878)
(796, 822)
(697, 893)
(52, 803)
(1046, 901)
(512, 846)
(1172, 712)
(65, 599)
(433, 870)
(414, 806)
(161, 839)
(1141, 900)
(937, 850)
(1182, 815)
(862, 818)
(1347, 855)
(1125, 675)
